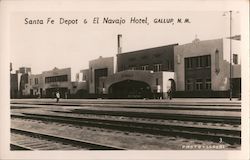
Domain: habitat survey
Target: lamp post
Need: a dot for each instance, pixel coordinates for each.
(230, 57)
(230, 79)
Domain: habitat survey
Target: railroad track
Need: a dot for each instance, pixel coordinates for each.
(191, 132)
(29, 140)
(162, 116)
(128, 102)
(156, 107)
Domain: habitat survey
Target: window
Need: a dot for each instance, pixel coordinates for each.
(123, 67)
(157, 67)
(146, 67)
(189, 85)
(235, 58)
(133, 68)
(139, 68)
(208, 84)
(157, 81)
(207, 60)
(188, 63)
(198, 84)
(61, 78)
(36, 80)
(198, 61)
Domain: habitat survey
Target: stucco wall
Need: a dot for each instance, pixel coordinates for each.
(219, 80)
(32, 85)
(142, 76)
(57, 72)
(107, 62)
(166, 83)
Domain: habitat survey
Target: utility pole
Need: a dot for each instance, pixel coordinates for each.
(230, 79)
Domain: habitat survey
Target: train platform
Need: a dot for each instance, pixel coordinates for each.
(175, 101)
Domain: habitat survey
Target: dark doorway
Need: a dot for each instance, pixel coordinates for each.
(236, 87)
(173, 86)
(99, 73)
(130, 89)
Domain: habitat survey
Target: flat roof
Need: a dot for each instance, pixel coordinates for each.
(149, 49)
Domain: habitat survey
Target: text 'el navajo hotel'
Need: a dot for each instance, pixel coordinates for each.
(197, 69)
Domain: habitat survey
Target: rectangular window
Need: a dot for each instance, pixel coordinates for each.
(201, 62)
(61, 78)
(157, 67)
(193, 60)
(189, 63)
(198, 61)
(198, 84)
(133, 68)
(157, 81)
(36, 80)
(139, 68)
(207, 61)
(146, 67)
(189, 85)
(235, 58)
(208, 84)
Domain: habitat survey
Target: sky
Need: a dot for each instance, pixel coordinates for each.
(45, 46)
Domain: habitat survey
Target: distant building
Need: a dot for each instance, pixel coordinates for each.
(18, 81)
(24, 70)
(49, 82)
(14, 85)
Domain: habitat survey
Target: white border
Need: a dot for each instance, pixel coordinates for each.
(7, 7)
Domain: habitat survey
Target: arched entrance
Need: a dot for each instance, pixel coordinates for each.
(130, 89)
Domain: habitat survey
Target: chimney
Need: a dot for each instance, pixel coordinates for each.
(119, 38)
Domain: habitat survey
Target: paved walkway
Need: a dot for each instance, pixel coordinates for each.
(175, 100)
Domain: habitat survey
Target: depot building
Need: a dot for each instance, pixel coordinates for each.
(49, 82)
(196, 69)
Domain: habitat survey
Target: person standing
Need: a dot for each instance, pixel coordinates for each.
(57, 96)
(169, 93)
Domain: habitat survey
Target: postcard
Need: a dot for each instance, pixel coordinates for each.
(124, 80)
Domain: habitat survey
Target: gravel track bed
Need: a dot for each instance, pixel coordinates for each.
(131, 119)
(133, 141)
(191, 112)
